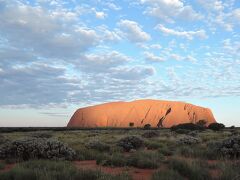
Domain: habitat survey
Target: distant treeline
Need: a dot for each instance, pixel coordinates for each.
(28, 129)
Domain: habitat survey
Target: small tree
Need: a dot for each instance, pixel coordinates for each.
(147, 126)
(216, 126)
(131, 124)
(202, 123)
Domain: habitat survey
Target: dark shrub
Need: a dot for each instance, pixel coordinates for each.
(194, 170)
(130, 142)
(187, 126)
(182, 131)
(216, 126)
(52, 170)
(147, 126)
(97, 145)
(2, 139)
(202, 123)
(145, 159)
(167, 175)
(41, 135)
(188, 140)
(131, 124)
(36, 148)
(229, 148)
(232, 127)
(150, 134)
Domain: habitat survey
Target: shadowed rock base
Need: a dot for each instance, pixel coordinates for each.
(157, 113)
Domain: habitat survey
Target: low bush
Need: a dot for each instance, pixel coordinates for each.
(2, 165)
(115, 159)
(147, 126)
(167, 175)
(216, 126)
(97, 145)
(166, 151)
(52, 170)
(143, 159)
(130, 142)
(150, 134)
(182, 131)
(3, 139)
(230, 147)
(153, 144)
(36, 148)
(192, 170)
(187, 126)
(188, 140)
(41, 135)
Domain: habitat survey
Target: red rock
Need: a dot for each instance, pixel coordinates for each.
(157, 113)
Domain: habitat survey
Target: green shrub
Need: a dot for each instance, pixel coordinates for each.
(192, 170)
(153, 145)
(55, 170)
(3, 139)
(2, 165)
(130, 142)
(188, 140)
(150, 134)
(166, 150)
(145, 159)
(182, 131)
(228, 148)
(36, 148)
(97, 145)
(187, 126)
(147, 126)
(115, 159)
(167, 175)
(41, 135)
(229, 171)
(216, 126)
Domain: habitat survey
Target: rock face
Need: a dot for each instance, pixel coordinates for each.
(138, 113)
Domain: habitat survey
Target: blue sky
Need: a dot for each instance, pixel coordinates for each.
(57, 56)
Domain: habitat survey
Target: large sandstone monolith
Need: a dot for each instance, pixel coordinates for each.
(138, 113)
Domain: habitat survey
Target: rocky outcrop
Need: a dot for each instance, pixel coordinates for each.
(157, 113)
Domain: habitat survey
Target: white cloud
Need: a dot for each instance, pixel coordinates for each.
(38, 31)
(185, 34)
(152, 57)
(168, 10)
(100, 15)
(133, 31)
(133, 73)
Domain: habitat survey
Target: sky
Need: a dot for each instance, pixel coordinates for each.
(57, 56)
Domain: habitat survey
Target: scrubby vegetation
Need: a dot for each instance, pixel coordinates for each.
(183, 152)
(216, 126)
(130, 142)
(55, 170)
(36, 148)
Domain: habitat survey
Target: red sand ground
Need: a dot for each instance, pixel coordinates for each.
(157, 113)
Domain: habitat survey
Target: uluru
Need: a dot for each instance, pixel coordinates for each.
(138, 113)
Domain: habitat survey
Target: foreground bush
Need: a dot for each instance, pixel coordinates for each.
(167, 175)
(192, 170)
(150, 134)
(229, 148)
(187, 126)
(130, 142)
(145, 159)
(97, 145)
(216, 126)
(41, 135)
(36, 148)
(55, 170)
(188, 140)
